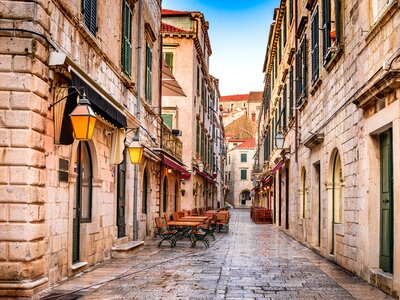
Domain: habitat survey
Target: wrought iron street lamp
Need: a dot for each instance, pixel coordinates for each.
(279, 139)
(83, 119)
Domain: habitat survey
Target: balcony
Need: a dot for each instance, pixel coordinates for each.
(171, 143)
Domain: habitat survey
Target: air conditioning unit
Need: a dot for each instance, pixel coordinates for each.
(176, 132)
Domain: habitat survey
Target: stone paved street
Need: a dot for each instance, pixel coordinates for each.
(250, 262)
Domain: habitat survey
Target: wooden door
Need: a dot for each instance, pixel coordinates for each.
(121, 198)
(386, 202)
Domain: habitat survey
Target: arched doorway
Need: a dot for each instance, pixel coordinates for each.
(336, 195)
(82, 209)
(244, 196)
(303, 205)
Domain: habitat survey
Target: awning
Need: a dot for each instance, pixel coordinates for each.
(267, 180)
(100, 105)
(170, 87)
(277, 167)
(205, 175)
(176, 166)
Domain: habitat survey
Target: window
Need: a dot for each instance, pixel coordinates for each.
(301, 71)
(169, 59)
(291, 93)
(315, 46)
(148, 83)
(198, 81)
(167, 118)
(89, 11)
(243, 157)
(126, 59)
(291, 11)
(378, 7)
(229, 159)
(144, 193)
(284, 115)
(331, 26)
(198, 138)
(243, 174)
(284, 28)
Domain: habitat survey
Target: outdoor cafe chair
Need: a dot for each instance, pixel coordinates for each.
(208, 228)
(222, 221)
(199, 235)
(165, 233)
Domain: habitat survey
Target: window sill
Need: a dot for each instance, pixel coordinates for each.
(79, 265)
(381, 20)
(301, 104)
(315, 86)
(335, 55)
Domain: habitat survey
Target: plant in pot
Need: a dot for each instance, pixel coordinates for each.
(183, 192)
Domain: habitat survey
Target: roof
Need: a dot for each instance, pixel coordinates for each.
(255, 96)
(238, 97)
(250, 143)
(169, 28)
(170, 12)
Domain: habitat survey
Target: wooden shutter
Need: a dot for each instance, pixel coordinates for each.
(338, 22)
(89, 11)
(298, 75)
(169, 59)
(126, 39)
(315, 47)
(284, 115)
(326, 27)
(167, 118)
(284, 27)
(291, 11)
(304, 65)
(148, 83)
(291, 93)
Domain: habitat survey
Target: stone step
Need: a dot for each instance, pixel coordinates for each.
(126, 249)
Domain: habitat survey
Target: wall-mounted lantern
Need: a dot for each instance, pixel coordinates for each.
(83, 119)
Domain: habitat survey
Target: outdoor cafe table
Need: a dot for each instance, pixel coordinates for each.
(194, 219)
(184, 229)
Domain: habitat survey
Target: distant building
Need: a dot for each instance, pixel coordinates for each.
(251, 103)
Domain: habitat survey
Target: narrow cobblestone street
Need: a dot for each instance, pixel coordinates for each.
(251, 261)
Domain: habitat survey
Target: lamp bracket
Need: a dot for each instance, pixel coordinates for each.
(76, 90)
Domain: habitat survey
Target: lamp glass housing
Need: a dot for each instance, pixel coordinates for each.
(279, 140)
(83, 120)
(135, 152)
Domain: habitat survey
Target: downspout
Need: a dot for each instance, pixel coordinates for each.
(159, 113)
(296, 118)
(137, 135)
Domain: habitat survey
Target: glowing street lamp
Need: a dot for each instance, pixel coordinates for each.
(83, 119)
(135, 152)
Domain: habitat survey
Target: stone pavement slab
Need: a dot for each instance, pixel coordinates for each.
(251, 261)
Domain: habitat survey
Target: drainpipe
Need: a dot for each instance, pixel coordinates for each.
(137, 135)
(296, 115)
(159, 113)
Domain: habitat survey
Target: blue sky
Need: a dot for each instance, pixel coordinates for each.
(238, 33)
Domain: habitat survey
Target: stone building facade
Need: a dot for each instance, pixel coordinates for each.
(332, 91)
(186, 49)
(65, 204)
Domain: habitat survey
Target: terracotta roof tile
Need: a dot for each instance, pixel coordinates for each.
(255, 96)
(169, 28)
(239, 97)
(171, 12)
(250, 143)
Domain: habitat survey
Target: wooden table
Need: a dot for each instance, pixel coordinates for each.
(185, 229)
(194, 219)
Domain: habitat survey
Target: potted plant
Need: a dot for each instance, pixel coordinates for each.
(183, 192)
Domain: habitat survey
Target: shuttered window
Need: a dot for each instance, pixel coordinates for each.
(315, 46)
(331, 28)
(284, 27)
(243, 157)
(126, 39)
(198, 138)
(243, 174)
(89, 11)
(167, 118)
(301, 71)
(291, 11)
(148, 83)
(284, 114)
(169, 59)
(291, 102)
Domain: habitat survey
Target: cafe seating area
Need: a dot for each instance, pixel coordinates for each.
(261, 215)
(196, 225)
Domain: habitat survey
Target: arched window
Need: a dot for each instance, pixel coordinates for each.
(144, 192)
(165, 194)
(337, 188)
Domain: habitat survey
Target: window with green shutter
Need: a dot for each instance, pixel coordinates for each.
(167, 118)
(331, 35)
(243, 157)
(291, 102)
(148, 83)
(126, 39)
(89, 11)
(284, 108)
(315, 46)
(301, 72)
(243, 174)
(169, 59)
